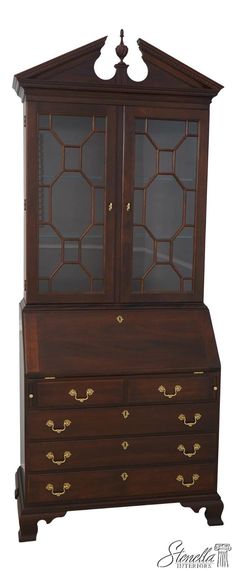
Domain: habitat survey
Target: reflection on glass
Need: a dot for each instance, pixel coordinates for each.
(70, 278)
(93, 158)
(49, 250)
(186, 162)
(164, 206)
(192, 127)
(166, 134)
(71, 250)
(162, 278)
(44, 194)
(145, 160)
(99, 205)
(188, 285)
(142, 251)
(44, 121)
(50, 157)
(72, 158)
(163, 251)
(165, 161)
(71, 204)
(190, 207)
(138, 206)
(71, 130)
(183, 252)
(92, 251)
(100, 123)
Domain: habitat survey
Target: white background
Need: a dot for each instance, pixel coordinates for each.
(201, 34)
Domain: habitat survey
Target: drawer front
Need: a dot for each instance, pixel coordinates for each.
(68, 455)
(69, 423)
(123, 482)
(78, 393)
(170, 389)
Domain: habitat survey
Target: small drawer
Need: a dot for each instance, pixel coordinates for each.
(178, 480)
(116, 451)
(78, 393)
(170, 389)
(185, 418)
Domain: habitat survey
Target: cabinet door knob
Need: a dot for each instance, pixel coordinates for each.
(196, 447)
(50, 488)
(73, 393)
(180, 478)
(197, 417)
(162, 389)
(66, 455)
(51, 425)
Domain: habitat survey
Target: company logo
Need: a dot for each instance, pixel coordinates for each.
(208, 558)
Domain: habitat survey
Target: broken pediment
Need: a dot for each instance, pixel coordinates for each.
(75, 71)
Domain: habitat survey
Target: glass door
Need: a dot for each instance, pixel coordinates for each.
(160, 209)
(75, 192)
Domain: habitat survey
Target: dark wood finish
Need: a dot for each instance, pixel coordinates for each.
(213, 510)
(109, 483)
(57, 393)
(74, 341)
(193, 387)
(117, 451)
(150, 419)
(147, 341)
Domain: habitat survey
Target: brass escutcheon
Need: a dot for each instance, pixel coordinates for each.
(125, 445)
(124, 476)
(125, 413)
(120, 319)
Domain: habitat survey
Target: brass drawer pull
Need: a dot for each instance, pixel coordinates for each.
(73, 393)
(51, 425)
(50, 488)
(125, 413)
(120, 319)
(125, 445)
(162, 389)
(180, 478)
(124, 476)
(196, 447)
(66, 455)
(197, 417)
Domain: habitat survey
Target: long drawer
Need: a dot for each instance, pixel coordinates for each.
(185, 418)
(83, 393)
(175, 480)
(100, 452)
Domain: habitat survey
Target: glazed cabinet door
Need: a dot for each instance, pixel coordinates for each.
(70, 202)
(164, 200)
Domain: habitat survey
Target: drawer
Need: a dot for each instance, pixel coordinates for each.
(69, 423)
(120, 483)
(100, 452)
(78, 392)
(173, 388)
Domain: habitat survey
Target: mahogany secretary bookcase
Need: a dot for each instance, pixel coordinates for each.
(120, 373)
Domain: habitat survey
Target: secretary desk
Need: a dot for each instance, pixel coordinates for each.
(120, 373)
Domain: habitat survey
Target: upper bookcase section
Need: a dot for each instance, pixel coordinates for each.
(74, 72)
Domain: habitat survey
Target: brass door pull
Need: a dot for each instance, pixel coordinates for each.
(51, 425)
(124, 476)
(197, 417)
(180, 478)
(120, 319)
(73, 393)
(66, 455)
(196, 447)
(110, 206)
(50, 488)
(125, 413)
(125, 445)
(128, 206)
(162, 389)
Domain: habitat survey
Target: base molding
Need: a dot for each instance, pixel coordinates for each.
(30, 516)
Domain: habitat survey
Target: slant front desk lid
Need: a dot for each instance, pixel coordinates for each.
(71, 342)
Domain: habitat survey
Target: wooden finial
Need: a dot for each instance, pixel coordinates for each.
(121, 49)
